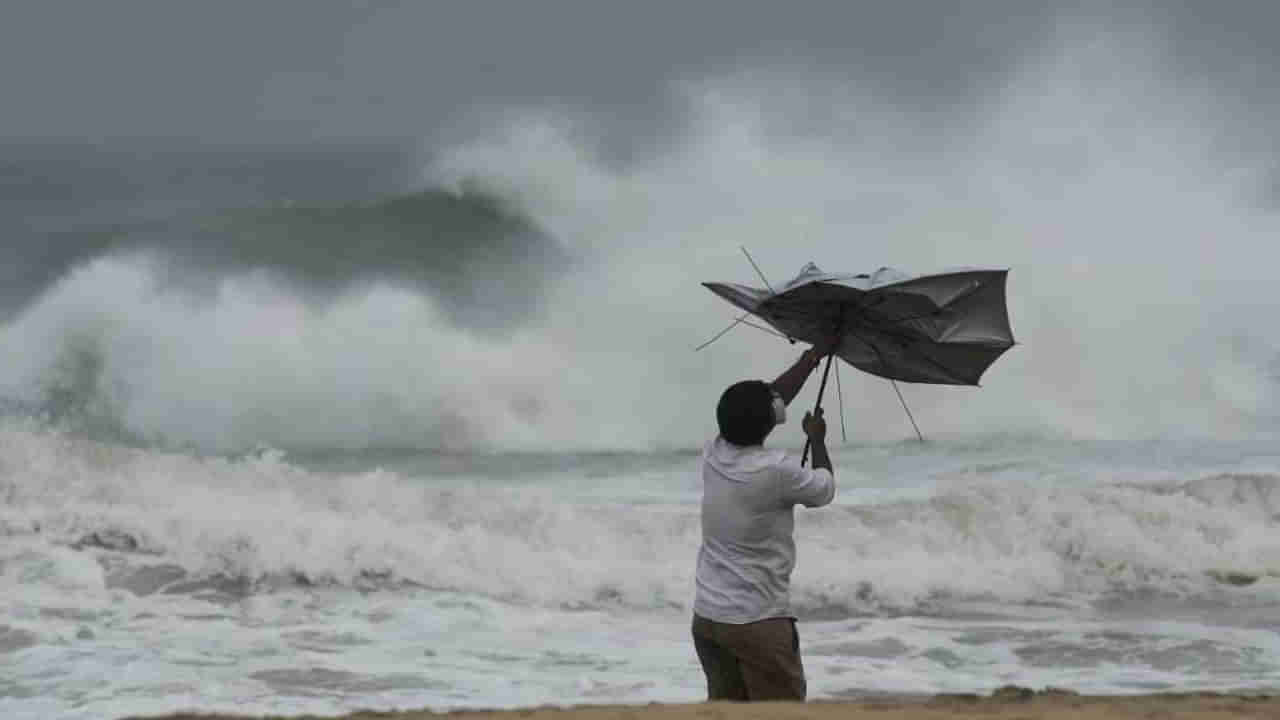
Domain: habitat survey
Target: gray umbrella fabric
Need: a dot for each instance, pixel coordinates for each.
(942, 329)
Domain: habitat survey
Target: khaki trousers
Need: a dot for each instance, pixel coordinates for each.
(754, 661)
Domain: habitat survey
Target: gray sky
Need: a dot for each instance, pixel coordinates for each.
(270, 70)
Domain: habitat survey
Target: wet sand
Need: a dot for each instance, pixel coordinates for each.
(1006, 704)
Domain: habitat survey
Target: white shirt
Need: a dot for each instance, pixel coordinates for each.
(744, 566)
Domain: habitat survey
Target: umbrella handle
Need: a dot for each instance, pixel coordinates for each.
(818, 405)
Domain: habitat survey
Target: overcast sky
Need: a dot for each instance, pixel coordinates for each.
(272, 70)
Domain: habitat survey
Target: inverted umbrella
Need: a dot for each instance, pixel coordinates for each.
(943, 329)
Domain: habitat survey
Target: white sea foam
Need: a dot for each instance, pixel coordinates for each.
(324, 592)
(1140, 285)
(261, 520)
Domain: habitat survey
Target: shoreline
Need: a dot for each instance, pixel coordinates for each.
(1007, 703)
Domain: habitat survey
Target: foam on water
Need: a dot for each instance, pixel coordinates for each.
(1019, 534)
(257, 584)
(1070, 524)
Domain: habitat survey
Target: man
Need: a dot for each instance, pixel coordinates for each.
(743, 628)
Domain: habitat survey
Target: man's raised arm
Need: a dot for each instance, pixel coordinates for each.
(792, 379)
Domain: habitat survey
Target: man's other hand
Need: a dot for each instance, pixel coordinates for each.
(814, 426)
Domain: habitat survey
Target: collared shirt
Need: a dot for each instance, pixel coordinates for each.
(747, 554)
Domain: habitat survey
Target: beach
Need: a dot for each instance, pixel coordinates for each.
(1010, 703)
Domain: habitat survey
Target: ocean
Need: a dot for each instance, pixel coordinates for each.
(316, 429)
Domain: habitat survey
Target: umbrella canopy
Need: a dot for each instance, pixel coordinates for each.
(944, 329)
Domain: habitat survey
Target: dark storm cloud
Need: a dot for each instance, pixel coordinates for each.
(1230, 40)
(301, 70)
(292, 69)
(241, 71)
(1231, 49)
(289, 69)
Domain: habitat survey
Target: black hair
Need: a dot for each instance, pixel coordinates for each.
(745, 412)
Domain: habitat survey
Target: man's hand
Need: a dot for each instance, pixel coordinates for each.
(814, 426)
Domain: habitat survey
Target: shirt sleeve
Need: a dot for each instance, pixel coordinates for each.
(805, 485)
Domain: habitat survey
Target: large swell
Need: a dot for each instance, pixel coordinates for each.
(519, 291)
(83, 517)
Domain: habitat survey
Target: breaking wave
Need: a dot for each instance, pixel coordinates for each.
(483, 263)
(159, 333)
(90, 517)
(539, 297)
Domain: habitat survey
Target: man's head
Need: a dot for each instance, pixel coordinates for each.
(748, 411)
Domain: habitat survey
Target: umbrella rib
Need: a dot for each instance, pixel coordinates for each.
(903, 400)
(757, 268)
(742, 320)
(844, 432)
(942, 369)
(965, 294)
(734, 324)
(979, 285)
(771, 331)
(934, 313)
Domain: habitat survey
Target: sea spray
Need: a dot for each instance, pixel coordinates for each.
(262, 521)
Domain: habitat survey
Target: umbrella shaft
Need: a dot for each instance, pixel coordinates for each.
(826, 372)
